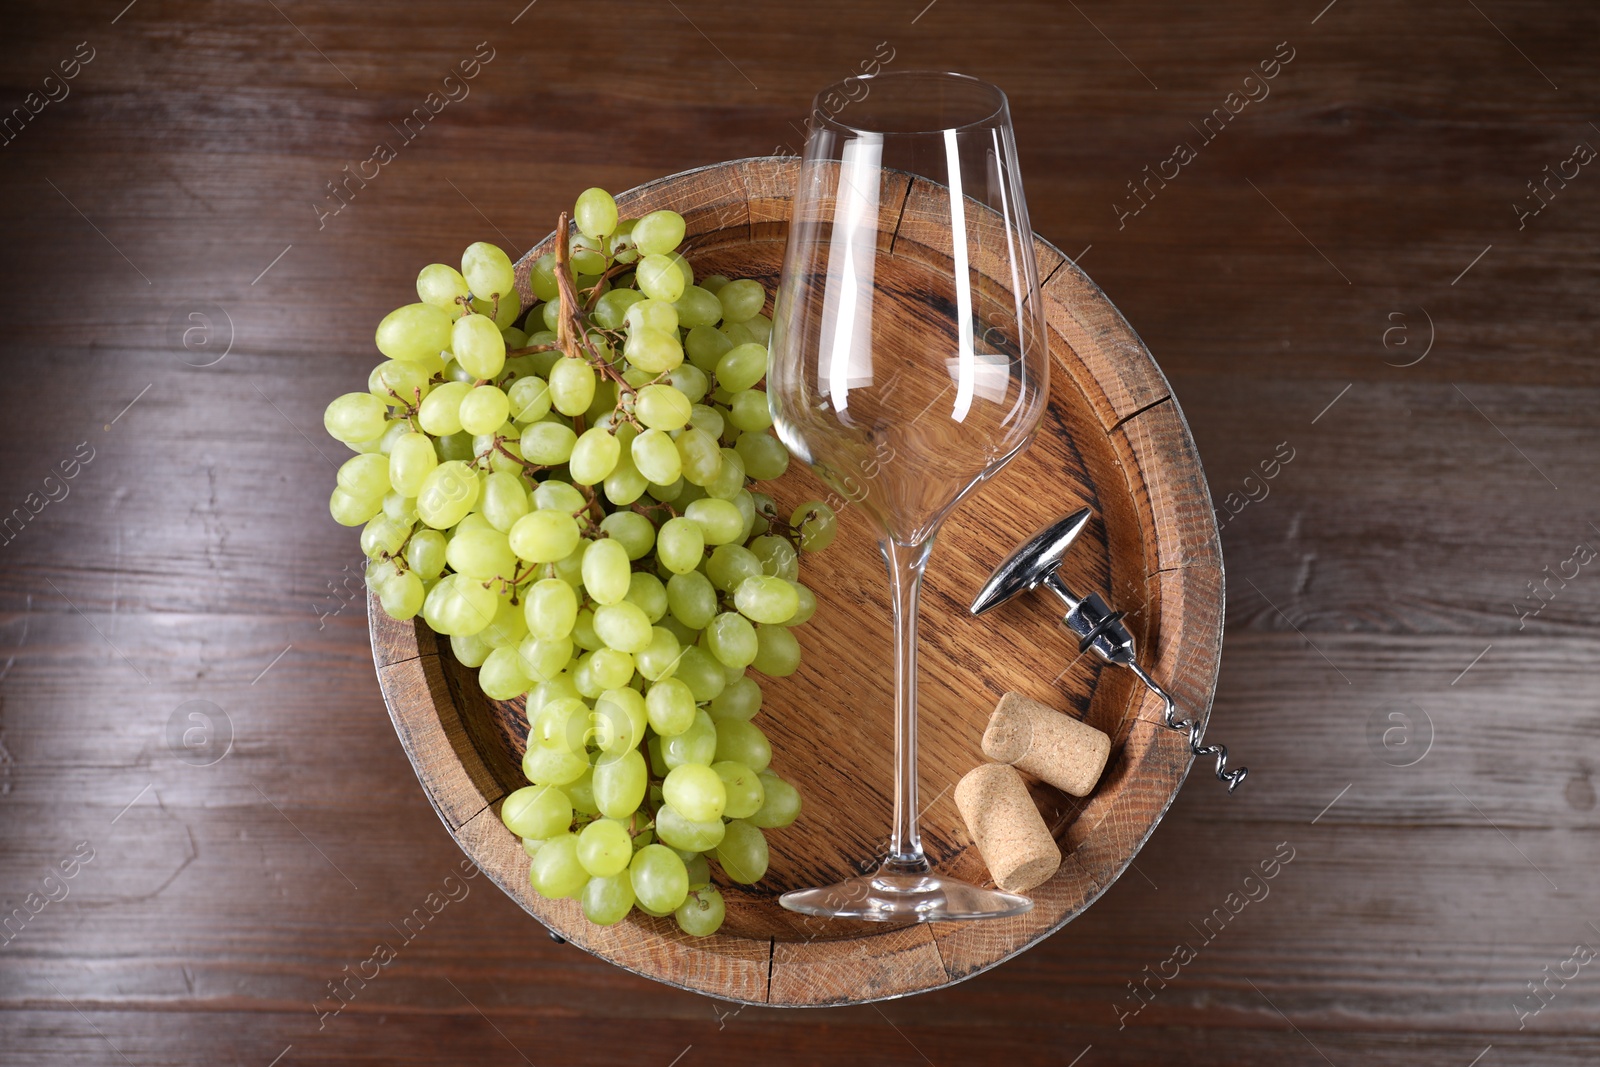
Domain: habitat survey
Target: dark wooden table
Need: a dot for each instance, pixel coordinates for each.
(1348, 271)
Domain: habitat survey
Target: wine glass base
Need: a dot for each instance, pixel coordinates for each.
(890, 897)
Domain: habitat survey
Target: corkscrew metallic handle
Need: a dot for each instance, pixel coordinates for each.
(1036, 562)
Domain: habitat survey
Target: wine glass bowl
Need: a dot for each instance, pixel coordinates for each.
(909, 363)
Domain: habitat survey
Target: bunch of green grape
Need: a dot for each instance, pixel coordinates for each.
(571, 502)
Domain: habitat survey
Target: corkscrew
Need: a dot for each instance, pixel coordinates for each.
(1037, 562)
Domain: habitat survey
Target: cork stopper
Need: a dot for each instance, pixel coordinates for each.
(1057, 748)
(1012, 837)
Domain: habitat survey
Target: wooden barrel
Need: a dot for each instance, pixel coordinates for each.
(1114, 439)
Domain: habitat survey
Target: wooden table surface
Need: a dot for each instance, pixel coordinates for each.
(1352, 271)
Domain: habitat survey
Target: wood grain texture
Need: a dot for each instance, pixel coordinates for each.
(193, 558)
(1160, 513)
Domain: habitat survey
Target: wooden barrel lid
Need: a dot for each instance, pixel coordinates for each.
(1114, 439)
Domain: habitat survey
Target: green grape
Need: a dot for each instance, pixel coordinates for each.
(719, 520)
(440, 413)
(651, 350)
(729, 481)
(594, 456)
(553, 764)
(556, 871)
(691, 598)
(447, 493)
(595, 213)
(426, 552)
(697, 307)
(701, 913)
(714, 282)
(654, 315)
(551, 608)
(556, 495)
(690, 380)
(745, 501)
(402, 596)
(604, 848)
(690, 835)
(649, 594)
(384, 536)
(501, 676)
(742, 367)
(745, 792)
(750, 411)
(400, 508)
(656, 457)
(529, 398)
(558, 688)
(660, 881)
(659, 278)
(455, 372)
(507, 628)
(379, 571)
(531, 846)
(695, 791)
(779, 655)
(504, 500)
(806, 605)
(399, 383)
(741, 300)
(455, 446)
(700, 457)
(670, 491)
(547, 443)
(625, 484)
(659, 658)
(539, 811)
(678, 630)
(730, 565)
(416, 332)
(697, 744)
(680, 544)
(765, 458)
(670, 705)
(487, 270)
(481, 553)
(561, 723)
(743, 743)
(658, 233)
(699, 870)
(737, 333)
(818, 525)
(707, 419)
(742, 853)
(701, 672)
(740, 700)
(484, 410)
(582, 792)
(611, 310)
(478, 346)
(731, 639)
(632, 531)
(459, 605)
(583, 634)
(542, 658)
(622, 626)
(355, 417)
(365, 475)
(778, 557)
(705, 346)
(607, 901)
(623, 710)
(469, 649)
(781, 803)
(760, 327)
(605, 571)
(516, 366)
(571, 386)
(619, 784)
(661, 407)
(544, 536)
(542, 278)
(767, 599)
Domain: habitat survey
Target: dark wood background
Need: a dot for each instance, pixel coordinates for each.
(1385, 573)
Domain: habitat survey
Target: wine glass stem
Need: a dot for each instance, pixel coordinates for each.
(905, 564)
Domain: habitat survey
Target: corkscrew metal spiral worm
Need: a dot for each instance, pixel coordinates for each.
(1036, 562)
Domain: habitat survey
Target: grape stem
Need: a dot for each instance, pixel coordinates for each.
(571, 336)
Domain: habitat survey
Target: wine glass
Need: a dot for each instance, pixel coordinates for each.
(909, 363)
